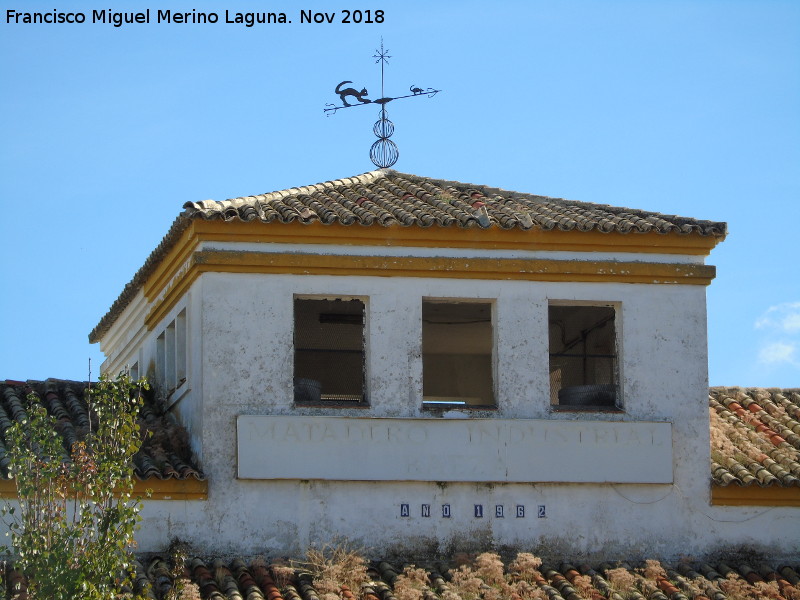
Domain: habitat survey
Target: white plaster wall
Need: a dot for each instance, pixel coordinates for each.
(245, 324)
(240, 332)
(768, 530)
(240, 362)
(122, 344)
(186, 402)
(129, 341)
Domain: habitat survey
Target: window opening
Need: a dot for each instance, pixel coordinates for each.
(180, 347)
(171, 354)
(457, 343)
(328, 350)
(169, 370)
(583, 356)
(161, 358)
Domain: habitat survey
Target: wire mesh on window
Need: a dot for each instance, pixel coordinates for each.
(328, 350)
(582, 380)
(583, 356)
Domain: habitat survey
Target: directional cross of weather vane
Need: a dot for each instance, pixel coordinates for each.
(384, 152)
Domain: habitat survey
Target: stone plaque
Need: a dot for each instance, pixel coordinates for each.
(471, 450)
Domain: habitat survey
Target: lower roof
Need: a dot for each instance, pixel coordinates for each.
(165, 453)
(755, 437)
(459, 578)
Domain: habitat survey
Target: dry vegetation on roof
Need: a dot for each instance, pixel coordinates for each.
(340, 573)
(336, 569)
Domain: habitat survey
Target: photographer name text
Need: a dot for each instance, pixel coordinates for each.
(193, 17)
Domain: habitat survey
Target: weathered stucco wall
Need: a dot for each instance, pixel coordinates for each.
(243, 348)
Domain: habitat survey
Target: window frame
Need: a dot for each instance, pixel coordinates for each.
(618, 404)
(363, 402)
(171, 354)
(441, 406)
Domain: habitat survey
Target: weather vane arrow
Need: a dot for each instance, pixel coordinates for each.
(384, 152)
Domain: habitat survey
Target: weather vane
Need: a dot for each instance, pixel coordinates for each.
(384, 152)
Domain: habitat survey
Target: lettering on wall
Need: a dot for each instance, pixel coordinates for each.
(478, 511)
(453, 450)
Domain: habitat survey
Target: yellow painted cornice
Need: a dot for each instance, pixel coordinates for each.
(458, 268)
(433, 237)
(753, 495)
(230, 261)
(182, 264)
(160, 489)
(172, 489)
(168, 266)
(436, 236)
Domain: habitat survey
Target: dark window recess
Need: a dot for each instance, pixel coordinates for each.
(583, 357)
(457, 353)
(171, 354)
(328, 350)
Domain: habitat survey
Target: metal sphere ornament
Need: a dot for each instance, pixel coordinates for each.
(384, 152)
(383, 127)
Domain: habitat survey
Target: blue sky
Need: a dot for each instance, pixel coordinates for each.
(689, 108)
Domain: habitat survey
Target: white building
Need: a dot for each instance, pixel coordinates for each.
(420, 365)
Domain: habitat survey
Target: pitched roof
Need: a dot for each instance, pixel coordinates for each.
(165, 453)
(243, 578)
(387, 198)
(755, 436)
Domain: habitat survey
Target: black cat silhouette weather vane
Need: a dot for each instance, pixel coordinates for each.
(384, 152)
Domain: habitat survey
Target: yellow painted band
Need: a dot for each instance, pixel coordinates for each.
(459, 268)
(166, 489)
(227, 261)
(753, 495)
(166, 269)
(453, 237)
(434, 237)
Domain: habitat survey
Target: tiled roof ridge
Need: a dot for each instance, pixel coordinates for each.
(213, 209)
(363, 179)
(716, 229)
(164, 454)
